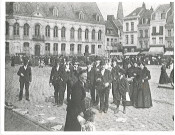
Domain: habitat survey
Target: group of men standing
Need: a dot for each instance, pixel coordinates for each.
(101, 77)
(99, 82)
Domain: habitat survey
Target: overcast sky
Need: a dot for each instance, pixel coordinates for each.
(110, 8)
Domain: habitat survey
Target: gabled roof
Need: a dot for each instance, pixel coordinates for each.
(135, 12)
(162, 8)
(66, 10)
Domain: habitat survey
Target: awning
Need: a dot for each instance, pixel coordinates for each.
(116, 53)
(169, 53)
(156, 50)
(131, 53)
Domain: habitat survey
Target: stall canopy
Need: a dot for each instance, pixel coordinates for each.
(156, 50)
(131, 53)
(116, 53)
(169, 53)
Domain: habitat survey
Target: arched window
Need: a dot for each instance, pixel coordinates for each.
(63, 48)
(71, 48)
(47, 31)
(55, 31)
(81, 16)
(26, 29)
(37, 30)
(55, 12)
(7, 28)
(99, 35)
(79, 33)
(26, 47)
(63, 32)
(72, 33)
(86, 34)
(93, 34)
(47, 49)
(16, 29)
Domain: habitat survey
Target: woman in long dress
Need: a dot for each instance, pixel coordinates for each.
(164, 79)
(143, 99)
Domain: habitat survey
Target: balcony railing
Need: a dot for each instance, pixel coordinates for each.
(155, 34)
(38, 38)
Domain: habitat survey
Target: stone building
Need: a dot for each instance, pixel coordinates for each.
(54, 28)
(144, 30)
(130, 30)
(161, 27)
(169, 30)
(114, 32)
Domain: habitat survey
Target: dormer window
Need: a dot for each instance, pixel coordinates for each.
(55, 11)
(81, 15)
(97, 18)
(16, 7)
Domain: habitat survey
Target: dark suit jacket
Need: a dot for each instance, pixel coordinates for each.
(106, 78)
(123, 85)
(27, 74)
(91, 76)
(114, 73)
(57, 77)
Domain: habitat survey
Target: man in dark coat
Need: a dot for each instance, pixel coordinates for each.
(76, 106)
(69, 79)
(115, 78)
(57, 79)
(90, 81)
(103, 84)
(95, 93)
(25, 74)
(120, 93)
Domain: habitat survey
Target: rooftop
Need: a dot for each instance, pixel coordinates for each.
(66, 10)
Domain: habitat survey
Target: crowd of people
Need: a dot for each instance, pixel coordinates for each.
(97, 76)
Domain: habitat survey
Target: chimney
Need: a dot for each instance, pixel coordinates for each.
(143, 5)
(172, 6)
(110, 17)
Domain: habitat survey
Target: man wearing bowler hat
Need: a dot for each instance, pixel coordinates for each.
(25, 78)
(57, 79)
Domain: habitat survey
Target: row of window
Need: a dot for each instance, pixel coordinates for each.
(132, 26)
(162, 16)
(63, 48)
(143, 44)
(143, 33)
(55, 31)
(127, 39)
(160, 30)
(160, 40)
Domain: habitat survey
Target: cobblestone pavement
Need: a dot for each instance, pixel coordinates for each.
(157, 118)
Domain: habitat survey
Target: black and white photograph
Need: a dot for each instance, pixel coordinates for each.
(87, 66)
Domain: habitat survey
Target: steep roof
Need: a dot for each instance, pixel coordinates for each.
(163, 8)
(135, 12)
(145, 15)
(118, 23)
(66, 10)
(109, 25)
